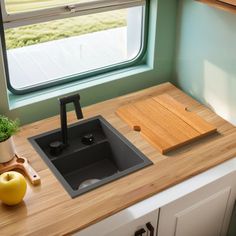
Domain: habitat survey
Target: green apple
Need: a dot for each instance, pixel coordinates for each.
(12, 187)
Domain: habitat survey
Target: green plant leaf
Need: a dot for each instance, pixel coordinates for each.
(7, 127)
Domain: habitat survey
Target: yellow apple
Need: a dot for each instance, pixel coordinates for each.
(12, 187)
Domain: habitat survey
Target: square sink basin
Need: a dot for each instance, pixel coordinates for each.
(82, 166)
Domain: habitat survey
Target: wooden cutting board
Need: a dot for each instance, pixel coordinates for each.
(164, 122)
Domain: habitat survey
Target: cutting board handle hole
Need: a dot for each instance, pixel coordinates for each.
(137, 128)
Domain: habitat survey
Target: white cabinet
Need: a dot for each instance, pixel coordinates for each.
(144, 226)
(204, 212)
(127, 224)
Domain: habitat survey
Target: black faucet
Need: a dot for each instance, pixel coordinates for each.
(56, 147)
(63, 101)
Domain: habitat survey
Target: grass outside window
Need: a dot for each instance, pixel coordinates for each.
(53, 30)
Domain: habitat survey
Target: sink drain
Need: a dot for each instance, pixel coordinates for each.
(88, 182)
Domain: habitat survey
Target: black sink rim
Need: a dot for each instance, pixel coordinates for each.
(75, 193)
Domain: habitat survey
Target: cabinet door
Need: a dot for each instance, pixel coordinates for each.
(139, 226)
(205, 212)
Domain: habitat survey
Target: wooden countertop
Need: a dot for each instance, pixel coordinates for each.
(49, 210)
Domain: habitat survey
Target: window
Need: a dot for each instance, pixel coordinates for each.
(48, 42)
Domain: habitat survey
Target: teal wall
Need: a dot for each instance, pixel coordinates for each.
(158, 69)
(206, 56)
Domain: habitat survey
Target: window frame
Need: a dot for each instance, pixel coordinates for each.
(80, 76)
(12, 20)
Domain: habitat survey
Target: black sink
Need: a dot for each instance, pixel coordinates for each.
(97, 154)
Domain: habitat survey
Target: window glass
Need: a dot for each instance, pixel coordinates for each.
(58, 50)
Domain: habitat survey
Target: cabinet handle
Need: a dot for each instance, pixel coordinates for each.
(140, 232)
(150, 228)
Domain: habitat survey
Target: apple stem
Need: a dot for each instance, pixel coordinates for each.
(8, 177)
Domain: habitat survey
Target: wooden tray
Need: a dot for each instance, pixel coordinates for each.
(22, 164)
(164, 122)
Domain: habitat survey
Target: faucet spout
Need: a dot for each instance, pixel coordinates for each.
(63, 101)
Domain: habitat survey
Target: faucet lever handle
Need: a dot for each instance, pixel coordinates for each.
(78, 110)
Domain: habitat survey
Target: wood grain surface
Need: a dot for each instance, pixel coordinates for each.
(164, 122)
(48, 209)
(221, 5)
(231, 2)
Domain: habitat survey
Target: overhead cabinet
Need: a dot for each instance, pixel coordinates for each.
(231, 2)
(227, 5)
